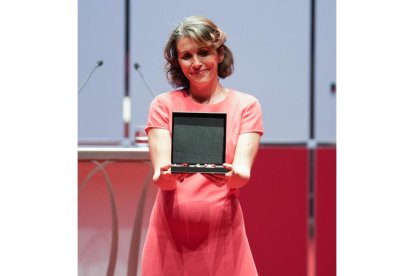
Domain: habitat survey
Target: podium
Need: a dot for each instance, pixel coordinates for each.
(115, 199)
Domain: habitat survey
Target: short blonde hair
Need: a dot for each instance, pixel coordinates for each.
(205, 32)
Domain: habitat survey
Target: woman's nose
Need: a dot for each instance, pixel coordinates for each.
(196, 62)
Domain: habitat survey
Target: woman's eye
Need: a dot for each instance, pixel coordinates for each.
(203, 53)
(186, 57)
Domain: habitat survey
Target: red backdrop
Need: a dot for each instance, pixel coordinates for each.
(275, 209)
(326, 212)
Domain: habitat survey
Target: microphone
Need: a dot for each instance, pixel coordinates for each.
(137, 67)
(99, 63)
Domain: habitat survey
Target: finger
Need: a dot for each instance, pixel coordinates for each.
(229, 173)
(228, 166)
(166, 173)
(165, 167)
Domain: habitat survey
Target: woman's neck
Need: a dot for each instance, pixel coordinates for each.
(208, 94)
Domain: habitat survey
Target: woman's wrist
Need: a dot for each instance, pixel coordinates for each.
(165, 182)
(240, 176)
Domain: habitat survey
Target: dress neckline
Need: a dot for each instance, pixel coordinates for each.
(190, 99)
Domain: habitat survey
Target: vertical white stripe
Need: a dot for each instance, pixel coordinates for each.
(126, 109)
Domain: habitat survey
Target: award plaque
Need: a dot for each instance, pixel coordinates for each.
(198, 142)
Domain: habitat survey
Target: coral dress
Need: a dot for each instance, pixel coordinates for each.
(198, 229)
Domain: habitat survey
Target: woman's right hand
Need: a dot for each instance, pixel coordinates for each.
(167, 180)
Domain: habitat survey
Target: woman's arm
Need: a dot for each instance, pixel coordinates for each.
(159, 141)
(239, 172)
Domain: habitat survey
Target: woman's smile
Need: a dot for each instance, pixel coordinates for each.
(199, 73)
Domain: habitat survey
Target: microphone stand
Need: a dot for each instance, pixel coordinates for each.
(98, 64)
(137, 67)
(141, 139)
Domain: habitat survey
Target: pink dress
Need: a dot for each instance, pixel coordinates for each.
(198, 228)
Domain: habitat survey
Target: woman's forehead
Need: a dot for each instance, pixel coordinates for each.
(188, 43)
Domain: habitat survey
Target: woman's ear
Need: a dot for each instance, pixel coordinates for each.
(220, 52)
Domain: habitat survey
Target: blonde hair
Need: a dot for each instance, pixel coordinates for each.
(206, 33)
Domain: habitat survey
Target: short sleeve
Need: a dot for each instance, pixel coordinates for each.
(251, 120)
(158, 115)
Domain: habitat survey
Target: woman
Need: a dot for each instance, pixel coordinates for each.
(196, 226)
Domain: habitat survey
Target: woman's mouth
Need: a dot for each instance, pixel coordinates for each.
(200, 72)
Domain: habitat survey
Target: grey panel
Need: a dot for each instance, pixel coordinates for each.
(100, 36)
(270, 42)
(325, 76)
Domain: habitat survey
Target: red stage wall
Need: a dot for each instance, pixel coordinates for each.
(275, 210)
(326, 212)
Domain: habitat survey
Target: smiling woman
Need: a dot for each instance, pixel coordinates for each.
(203, 34)
(196, 225)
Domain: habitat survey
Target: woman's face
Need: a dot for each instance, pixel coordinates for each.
(199, 63)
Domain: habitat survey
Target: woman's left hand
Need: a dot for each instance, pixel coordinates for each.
(236, 176)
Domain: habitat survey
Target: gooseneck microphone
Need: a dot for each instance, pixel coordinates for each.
(137, 67)
(99, 63)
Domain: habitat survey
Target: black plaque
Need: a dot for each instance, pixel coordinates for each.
(198, 142)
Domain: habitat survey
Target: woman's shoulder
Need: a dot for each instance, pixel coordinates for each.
(170, 96)
(243, 96)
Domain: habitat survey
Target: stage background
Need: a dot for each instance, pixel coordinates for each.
(271, 44)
